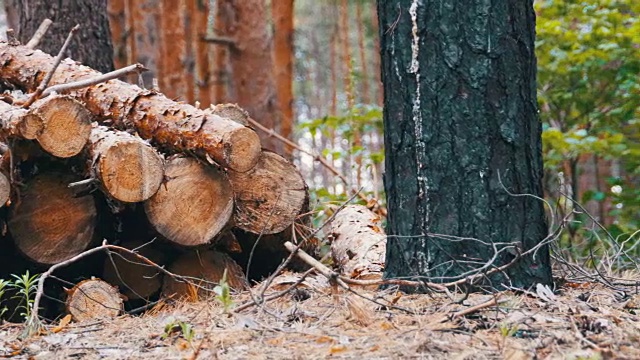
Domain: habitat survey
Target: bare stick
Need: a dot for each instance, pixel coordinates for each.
(43, 85)
(135, 68)
(39, 34)
(315, 157)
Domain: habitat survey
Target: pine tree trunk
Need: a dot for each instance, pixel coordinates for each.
(461, 132)
(116, 10)
(283, 64)
(203, 71)
(144, 43)
(173, 78)
(91, 15)
(251, 87)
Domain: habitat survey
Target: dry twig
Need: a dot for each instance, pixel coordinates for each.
(135, 68)
(39, 34)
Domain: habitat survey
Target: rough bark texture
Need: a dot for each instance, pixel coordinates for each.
(460, 112)
(129, 169)
(145, 47)
(174, 54)
(205, 265)
(194, 204)
(250, 86)
(90, 46)
(270, 196)
(135, 280)
(282, 12)
(60, 124)
(116, 10)
(94, 299)
(48, 224)
(175, 126)
(202, 72)
(359, 242)
(364, 96)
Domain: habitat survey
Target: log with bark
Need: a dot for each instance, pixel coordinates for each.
(359, 243)
(193, 205)
(172, 125)
(129, 169)
(48, 224)
(94, 299)
(5, 174)
(207, 265)
(270, 196)
(60, 124)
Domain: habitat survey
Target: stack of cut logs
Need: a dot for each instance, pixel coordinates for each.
(207, 188)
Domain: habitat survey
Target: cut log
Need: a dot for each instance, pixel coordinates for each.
(136, 280)
(94, 299)
(270, 196)
(48, 224)
(231, 112)
(206, 265)
(5, 182)
(193, 205)
(175, 126)
(5, 189)
(60, 124)
(359, 243)
(129, 169)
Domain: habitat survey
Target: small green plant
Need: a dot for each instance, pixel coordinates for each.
(26, 286)
(223, 293)
(508, 330)
(183, 328)
(4, 284)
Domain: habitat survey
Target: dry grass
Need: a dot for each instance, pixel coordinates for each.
(586, 321)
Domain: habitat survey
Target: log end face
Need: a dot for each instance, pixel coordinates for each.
(131, 171)
(94, 299)
(242, 150)
(193, 205)
(49, 225)
(5, 189)
(270, 196)
(66, 126)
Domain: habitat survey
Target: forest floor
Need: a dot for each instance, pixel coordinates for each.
(315, 321)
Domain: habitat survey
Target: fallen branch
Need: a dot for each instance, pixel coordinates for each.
(80, 84)
(39, 34)
(45, 82)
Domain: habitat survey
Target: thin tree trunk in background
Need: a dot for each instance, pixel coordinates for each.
(203, 81)
(145, 44)
(91, 15)
(349, 91)
(13, 16)
(172, 80)
(282, 13)
(253, 87)
(189, 61)
(364, 96)
(130, 41)
(220, 59)
(117, 22)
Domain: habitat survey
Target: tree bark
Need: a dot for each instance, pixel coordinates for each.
(94, 299)
(143, 43)
(359, 243)
(461, 132)
(173, 81)
(205, 265)
(116, 10)
(283, 65)
(193, 205)
(270, 196)
(174, 126)
(60, 124)
(91, 45)
(202, 72)
(251, 87)
(48, 224)
(129, 169)
(364, 97)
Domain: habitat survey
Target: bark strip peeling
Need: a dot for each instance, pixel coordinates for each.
(171, 125)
